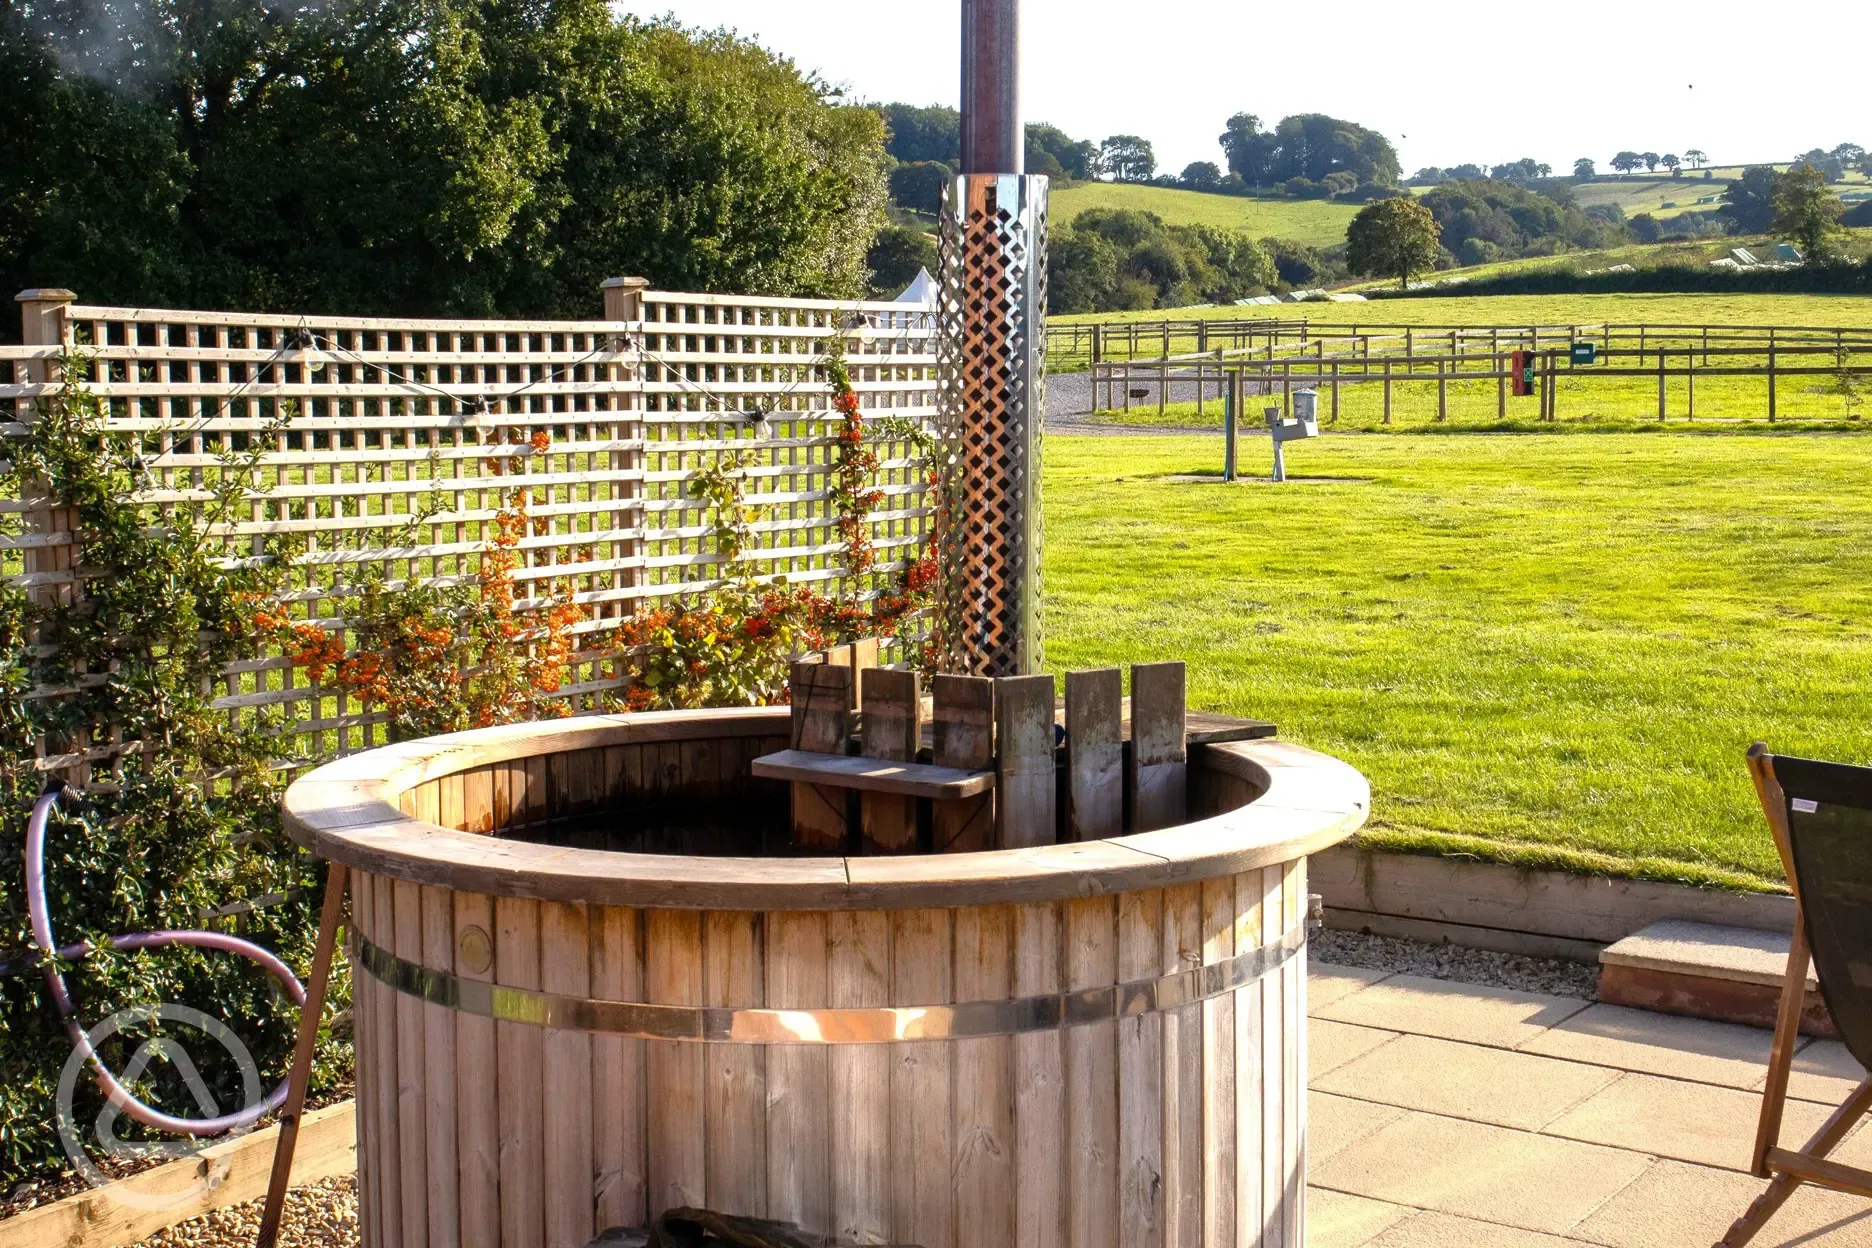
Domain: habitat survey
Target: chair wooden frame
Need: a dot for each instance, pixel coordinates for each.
(1785, 1168)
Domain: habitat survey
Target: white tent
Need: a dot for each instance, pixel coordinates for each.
(921, 291)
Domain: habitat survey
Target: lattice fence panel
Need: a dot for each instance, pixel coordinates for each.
(388, 448)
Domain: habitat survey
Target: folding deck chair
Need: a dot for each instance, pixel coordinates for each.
(1821, 816)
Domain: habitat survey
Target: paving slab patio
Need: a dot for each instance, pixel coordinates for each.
(1448, 1114)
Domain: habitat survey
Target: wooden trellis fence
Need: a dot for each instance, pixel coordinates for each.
(393, 442)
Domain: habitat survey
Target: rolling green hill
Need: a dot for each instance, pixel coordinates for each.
(1662, 195)
(1314, 222)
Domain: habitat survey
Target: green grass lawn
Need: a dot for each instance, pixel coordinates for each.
(1317, 223)
(1548, 650)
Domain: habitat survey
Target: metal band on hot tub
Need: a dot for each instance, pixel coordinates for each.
(830, 1026)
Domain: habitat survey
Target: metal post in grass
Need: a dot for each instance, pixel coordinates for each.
(993, 335)
(1232, 395)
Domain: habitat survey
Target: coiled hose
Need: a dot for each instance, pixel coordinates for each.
(50, 954)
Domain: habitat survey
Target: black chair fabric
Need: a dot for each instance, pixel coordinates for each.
(1829, 819)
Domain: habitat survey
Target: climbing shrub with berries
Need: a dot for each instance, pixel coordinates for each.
(444, 658)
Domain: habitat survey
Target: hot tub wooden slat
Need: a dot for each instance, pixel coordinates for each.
(798, 1127)
(565, 967)
(477, 1113)
(1272, 1063)
(673, 976)
(984, 1084)
(858, 975)
(1220, 1137)
(1039, 1087)
(1182, 1074)
(384, 1016)
(518, 1051)
(364, 1023)
(1140, 1076)
(922, 1077)
(1094, 754)
(438, 1073)
(1159, 756)
(478, 801)
(617, 1072)
(1251, 1089)
(734, 1089)
(1090, 944)
(1293, 1055)
(411, 1104)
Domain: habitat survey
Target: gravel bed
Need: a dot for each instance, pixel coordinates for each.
(1554, 976)
(319, 1215)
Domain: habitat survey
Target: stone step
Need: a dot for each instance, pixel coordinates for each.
(1703, 970)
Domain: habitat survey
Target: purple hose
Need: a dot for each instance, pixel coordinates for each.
(49, 952)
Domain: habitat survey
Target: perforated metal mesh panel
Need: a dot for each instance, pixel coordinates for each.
(992, 320)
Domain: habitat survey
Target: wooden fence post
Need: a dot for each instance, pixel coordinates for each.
(1387, 392)
(1771, 377)
(1660, 384)
(623, 301)
(1335, 392)
(50, 529)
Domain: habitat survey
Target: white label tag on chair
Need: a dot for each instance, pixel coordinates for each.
(1805, 806)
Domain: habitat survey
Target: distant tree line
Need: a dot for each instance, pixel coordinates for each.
(1110, 260)
(436, 157)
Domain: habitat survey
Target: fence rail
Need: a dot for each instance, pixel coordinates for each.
(387, 446)
(1331, 357)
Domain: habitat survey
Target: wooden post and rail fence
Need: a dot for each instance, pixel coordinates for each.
(1330, 358)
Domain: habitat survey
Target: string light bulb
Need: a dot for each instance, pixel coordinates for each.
(309, 357)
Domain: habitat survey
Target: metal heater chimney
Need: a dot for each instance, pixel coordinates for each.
(992, 321)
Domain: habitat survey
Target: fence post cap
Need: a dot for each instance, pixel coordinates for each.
(610, 283)
(46, 294)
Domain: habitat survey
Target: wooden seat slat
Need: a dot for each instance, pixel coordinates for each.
(873, 775)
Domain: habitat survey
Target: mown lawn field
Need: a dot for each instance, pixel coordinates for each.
(1541, 649)
(1315, 222)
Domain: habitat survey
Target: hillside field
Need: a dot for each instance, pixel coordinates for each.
(1541, 650)
(1314, 222)
(1662, 195)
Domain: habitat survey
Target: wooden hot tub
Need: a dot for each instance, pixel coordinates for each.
(563, 1026)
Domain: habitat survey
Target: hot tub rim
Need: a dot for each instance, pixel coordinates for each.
(347, 811)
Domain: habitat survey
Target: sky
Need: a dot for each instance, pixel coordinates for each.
(1447, 83)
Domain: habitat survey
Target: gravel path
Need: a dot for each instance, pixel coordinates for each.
(320, 1215)
(1069, 408)
(1553, 976)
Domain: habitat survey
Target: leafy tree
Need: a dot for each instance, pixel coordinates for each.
(896, 257)
(1308, 145)
(1393, 238)
(1514, 218)
(441, 157)
(1650, 160)
(1118, 259)
(923, 134)
(1429, 175)
(1465, 173)
(1584, 169)
(1128, 158)
(1077, 159)
(919, 186)
(1829, 166)
(1671, 162)
(1697, 158)
(1806, 211)
(1201, 175)
(1625, 162)
(1527, 169)
(1645, 228)
(1749, 200)
(1849, 154)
